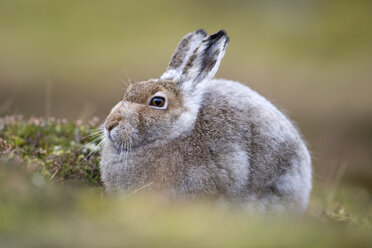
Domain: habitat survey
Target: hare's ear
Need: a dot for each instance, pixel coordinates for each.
(205, 60)
(182, 53)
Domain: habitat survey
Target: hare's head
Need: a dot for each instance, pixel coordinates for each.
(162, 109)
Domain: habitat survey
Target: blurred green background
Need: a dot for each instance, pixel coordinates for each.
(311, 58)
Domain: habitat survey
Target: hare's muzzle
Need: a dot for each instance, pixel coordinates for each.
(112, 121)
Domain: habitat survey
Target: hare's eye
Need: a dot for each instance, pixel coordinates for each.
(157, 101)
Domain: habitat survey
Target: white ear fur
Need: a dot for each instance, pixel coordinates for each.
(182, 53)
(199, 64)
(205, 60)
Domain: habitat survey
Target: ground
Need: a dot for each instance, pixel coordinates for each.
(51, 195)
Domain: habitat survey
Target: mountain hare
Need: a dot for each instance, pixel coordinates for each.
(189, 136)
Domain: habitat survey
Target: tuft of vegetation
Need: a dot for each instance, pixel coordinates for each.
(41, 159)
(56, 149)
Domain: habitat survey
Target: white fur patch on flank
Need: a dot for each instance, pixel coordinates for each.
(297, 182)
(238, 165)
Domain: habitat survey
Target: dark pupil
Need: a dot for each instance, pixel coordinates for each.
(157, 101)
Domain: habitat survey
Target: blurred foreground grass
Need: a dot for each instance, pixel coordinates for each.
(50, 195)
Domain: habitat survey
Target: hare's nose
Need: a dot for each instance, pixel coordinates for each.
(112, 121)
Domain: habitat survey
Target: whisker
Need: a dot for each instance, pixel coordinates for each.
(121, 155)
(124, 82)
(100, 143)
(137, 190)
(128, 149)
(97, 135)
(93, 152)
(126, 73)
(86, 146)
(126, 153)
(91, 131)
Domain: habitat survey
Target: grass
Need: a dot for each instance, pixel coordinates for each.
(51, 196)
(56, 149)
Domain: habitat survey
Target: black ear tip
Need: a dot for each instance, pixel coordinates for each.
(201, 32)
(218, 35)
(222, 32)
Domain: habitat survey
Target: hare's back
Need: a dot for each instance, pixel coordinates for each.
(242, 117)
(237, 103)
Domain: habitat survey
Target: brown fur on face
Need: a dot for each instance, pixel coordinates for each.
(133, 122)
(112, 120)
(140, 92)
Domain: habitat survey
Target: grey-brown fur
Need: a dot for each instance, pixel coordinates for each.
(216, 138)
(180, 54)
